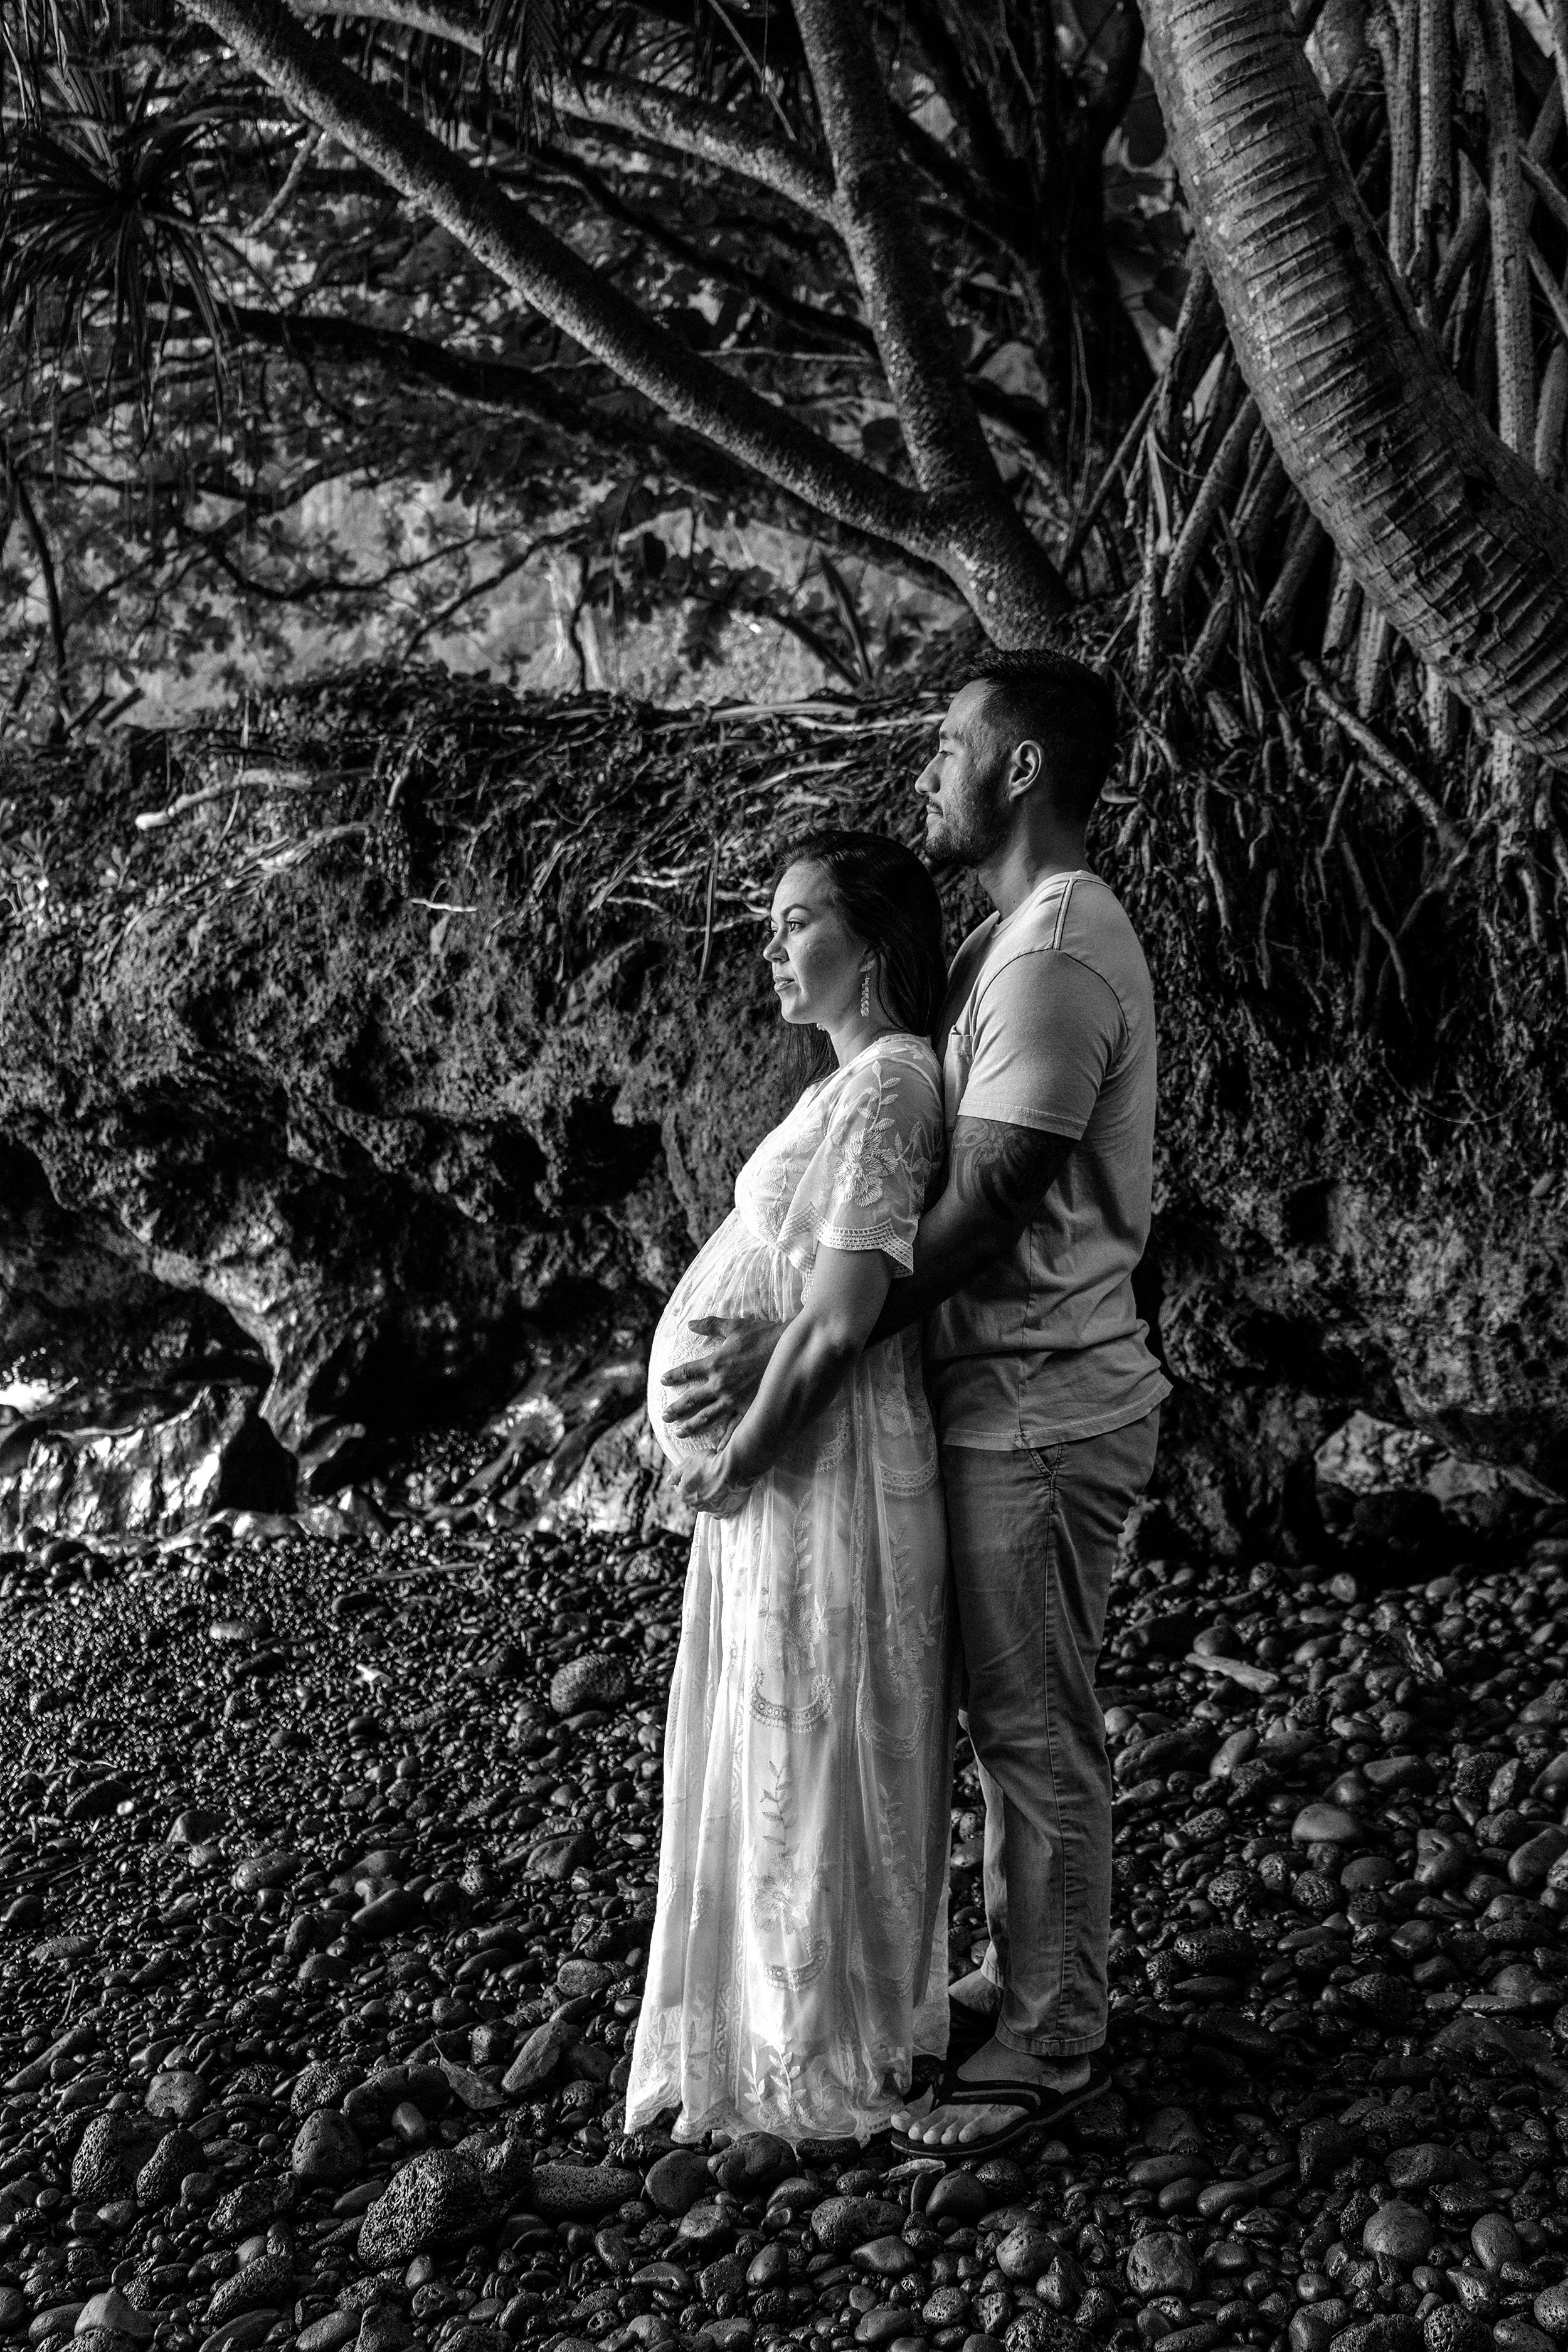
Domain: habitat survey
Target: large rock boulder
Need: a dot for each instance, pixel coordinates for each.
(150, 1477)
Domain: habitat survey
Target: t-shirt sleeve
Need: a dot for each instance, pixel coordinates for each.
(864, 1185)
(1047, 1028)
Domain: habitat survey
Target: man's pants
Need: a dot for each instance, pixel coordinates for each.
(1032, 1536)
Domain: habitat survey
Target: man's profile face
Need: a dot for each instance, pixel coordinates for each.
(963, 784)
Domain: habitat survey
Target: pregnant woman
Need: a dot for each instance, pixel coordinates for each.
(799, 1952)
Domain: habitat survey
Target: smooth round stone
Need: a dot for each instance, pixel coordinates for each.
(326, 2152)
(176, 2095)
(1423, 2165)
(1530, 1864)
(326, 2334)
(1495, 2241)
(195, 1826)
(703, 2226)
(770, 2267)
(958, 2197)
(259, 1870)
(752, 2163)
(1162, 2264)
(1367, 1870)
(1513, 2333)
(244, 2332)
(676, 2182)
(1326, 1825)
(1400, 2230)
(1026, 2251)
(841, 2224)
(112, 2310)
(576, 1978)
(885, 2257)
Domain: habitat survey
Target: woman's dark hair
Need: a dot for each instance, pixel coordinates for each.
(886, 899)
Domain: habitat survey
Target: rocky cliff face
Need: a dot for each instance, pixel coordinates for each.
(411, 1048)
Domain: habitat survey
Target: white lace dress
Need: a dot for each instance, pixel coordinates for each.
(799, 1952)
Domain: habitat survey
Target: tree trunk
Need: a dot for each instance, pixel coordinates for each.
(1453, 536)
(1007, 576)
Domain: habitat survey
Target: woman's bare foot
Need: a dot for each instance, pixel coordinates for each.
(925, 2126)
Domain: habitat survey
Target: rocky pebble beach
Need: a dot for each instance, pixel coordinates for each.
(326, 1874)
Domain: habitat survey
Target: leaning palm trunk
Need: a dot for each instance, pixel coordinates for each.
(1452, 535)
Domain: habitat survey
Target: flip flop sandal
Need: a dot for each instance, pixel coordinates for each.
(1043, 2109)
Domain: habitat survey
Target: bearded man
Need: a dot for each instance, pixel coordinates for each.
(1045, 1395)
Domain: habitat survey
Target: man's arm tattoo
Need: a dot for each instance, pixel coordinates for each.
(1009, 1170)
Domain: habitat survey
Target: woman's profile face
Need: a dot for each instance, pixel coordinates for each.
(817, 961)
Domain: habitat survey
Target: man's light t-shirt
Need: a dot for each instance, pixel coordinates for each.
(1052, 1019)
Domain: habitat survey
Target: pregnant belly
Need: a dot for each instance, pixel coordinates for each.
(732, 1275)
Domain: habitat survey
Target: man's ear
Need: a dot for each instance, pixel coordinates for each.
(1024, 769)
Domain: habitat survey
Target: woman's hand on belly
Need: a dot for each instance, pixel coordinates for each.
(709, 1483)
(710, 1392)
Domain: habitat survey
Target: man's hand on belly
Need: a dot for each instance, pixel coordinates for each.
(709, 1393)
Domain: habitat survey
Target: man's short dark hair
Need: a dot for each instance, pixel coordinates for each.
(1066, 708)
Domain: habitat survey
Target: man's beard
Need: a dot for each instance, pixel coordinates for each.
(974, 827)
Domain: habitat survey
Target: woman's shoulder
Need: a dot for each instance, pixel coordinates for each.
(901, 1050)
(897, 1073)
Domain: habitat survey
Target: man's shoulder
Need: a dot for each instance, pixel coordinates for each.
(1077, 915)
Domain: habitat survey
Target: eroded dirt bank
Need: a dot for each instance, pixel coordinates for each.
(386, 1053)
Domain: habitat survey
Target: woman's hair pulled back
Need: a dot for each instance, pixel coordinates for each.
(886, 899)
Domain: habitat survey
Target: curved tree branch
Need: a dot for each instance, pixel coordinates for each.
(1453, 536)
(710, 133)
(555, 280)
(667, 117)
(510, 388)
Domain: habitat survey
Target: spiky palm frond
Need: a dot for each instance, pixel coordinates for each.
(98, 215)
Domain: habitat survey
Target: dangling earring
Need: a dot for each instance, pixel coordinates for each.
(865, 996)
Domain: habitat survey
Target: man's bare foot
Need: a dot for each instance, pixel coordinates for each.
(927, 2126)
